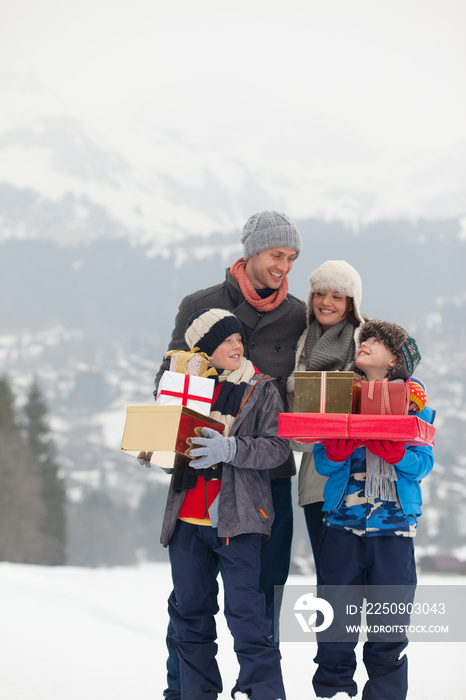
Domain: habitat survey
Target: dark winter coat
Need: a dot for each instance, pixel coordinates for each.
(245, 499)
(270, 337)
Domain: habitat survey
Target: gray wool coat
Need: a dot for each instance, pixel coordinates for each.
(245, 499)
(270, 337)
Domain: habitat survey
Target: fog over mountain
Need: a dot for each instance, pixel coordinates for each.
(78, 181)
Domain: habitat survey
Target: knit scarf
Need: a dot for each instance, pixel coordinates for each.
(329, 351)
(228, 402)
(238, 270)
(380, 478)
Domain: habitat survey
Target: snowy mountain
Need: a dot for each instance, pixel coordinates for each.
(67, 179)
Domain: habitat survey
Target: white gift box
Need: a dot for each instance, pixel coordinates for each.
(176, 389)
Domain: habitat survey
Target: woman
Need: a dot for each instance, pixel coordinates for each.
(327, 344)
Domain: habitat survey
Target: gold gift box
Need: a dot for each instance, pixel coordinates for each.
(324, 392)
(165, 431)
(188, 363)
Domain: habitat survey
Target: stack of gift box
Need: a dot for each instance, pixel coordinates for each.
(181, 410)
(342, 405)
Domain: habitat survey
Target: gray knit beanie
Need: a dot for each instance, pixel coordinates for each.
(269, 229)
(338, 276)
(398, 342)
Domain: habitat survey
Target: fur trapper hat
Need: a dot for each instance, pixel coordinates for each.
(397, 341)
(338, 276)
(269, 229)
(208, 328)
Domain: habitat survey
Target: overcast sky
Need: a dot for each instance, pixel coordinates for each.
(348, 82)
(391, 70)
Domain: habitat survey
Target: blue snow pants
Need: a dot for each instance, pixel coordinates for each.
(196, 552)
(346, 559)
(275, 565)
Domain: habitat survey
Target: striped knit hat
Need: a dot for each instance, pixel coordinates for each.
(208, 328)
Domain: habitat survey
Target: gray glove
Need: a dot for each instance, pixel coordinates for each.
(215, 449)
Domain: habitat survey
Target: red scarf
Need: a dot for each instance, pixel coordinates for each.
(238, 270)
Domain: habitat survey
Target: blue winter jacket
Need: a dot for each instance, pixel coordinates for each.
(415, 465)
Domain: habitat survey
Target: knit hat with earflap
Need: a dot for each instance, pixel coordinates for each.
(338, 276)
(269, 229)
(398, 342)
(208, 328)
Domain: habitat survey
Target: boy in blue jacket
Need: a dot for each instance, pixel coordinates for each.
(372, 502)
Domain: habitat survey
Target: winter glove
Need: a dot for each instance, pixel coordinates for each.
(338, 450)
(215, 449)
(144, 459)
(391, 452)
(417, 395)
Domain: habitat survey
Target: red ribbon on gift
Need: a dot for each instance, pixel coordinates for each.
(184, 395)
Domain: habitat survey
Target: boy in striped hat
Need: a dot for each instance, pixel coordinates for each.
(220, 522)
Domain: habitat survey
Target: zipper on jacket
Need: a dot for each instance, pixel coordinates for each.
(262, 513)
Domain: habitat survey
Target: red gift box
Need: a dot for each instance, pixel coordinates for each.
(381, 397)
(316, 427)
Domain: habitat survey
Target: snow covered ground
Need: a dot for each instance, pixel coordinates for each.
(98, 634)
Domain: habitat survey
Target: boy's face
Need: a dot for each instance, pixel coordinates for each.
(375, 359)
(268, 269)
(229, 354)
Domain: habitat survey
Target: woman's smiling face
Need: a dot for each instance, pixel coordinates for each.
(330, 307)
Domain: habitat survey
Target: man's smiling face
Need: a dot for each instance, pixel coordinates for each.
(268, 269)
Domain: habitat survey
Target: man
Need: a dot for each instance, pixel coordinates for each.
(255, 289)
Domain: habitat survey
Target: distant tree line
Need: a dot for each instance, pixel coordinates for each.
(104, 532)
(32, 491)
(39, 524)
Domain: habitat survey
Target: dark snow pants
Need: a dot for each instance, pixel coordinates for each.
(371, 564)
(276, 552)
(314, 523)
(275, 565)
(195, 553)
